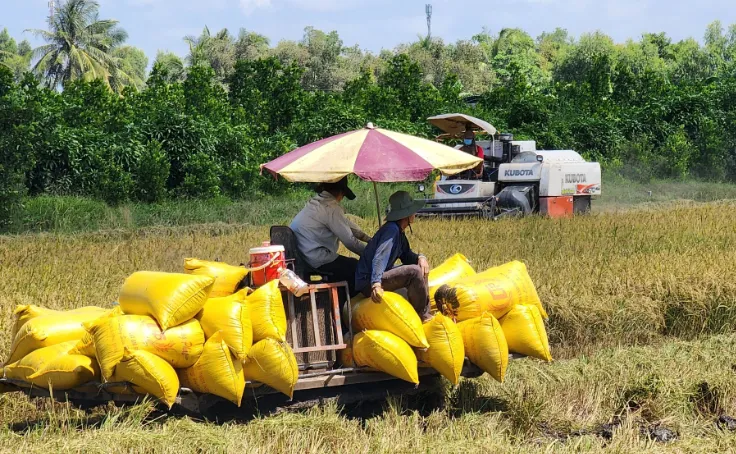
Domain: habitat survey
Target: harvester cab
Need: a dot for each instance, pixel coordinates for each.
(517, 178)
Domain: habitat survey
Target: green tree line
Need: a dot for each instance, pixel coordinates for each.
(81, 115)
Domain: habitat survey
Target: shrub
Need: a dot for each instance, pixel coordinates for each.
(151, 173)
(16, 152)
(106, 179)
(201, 177)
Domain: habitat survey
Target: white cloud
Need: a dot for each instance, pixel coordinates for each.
(325, 5)
(143, 2)
(169, 6)
(251, 5)
(542, 2)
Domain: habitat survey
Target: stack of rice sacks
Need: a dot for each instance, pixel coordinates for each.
(170, 330)
(497, 311)
(42, 350)
(195, 330)
(479, 316)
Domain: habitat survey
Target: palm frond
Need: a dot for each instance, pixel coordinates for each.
(102, 57)
(79, 45)
(43, 34)
(40, 51)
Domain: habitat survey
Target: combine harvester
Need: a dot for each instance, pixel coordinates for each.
(517, 178)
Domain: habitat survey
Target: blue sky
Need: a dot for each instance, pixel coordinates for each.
(375, 24)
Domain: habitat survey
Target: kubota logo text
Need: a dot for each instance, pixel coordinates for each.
(575, 178)
(519, 173)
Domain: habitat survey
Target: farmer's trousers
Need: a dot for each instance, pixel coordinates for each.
(342, 269)
(414, 281)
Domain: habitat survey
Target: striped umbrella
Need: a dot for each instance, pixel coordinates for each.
(373, 154)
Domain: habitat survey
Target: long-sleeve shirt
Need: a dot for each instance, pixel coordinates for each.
(388, 244)
(320, 226)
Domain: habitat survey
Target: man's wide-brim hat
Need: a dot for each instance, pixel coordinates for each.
(401, 206)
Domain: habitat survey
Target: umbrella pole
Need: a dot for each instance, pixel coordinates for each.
(378, 205)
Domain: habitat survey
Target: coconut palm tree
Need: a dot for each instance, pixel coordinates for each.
(217, 51)
(80, 45)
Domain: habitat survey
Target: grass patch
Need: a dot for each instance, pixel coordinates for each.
(78, 214)
(581, 404)
(627, 278)
(621, 193)
(642, 306)
(59, 214)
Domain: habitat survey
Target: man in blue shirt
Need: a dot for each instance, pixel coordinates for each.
(376, 272)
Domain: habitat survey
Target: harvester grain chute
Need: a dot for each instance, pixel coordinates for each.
(517, 179)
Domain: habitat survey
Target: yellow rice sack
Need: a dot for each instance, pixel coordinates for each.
(170, 298)
(54, 368)
(230, 316)
(267, 314)
(216, 372)
(524, 330)
(180, 346)
(148, 374)
(67, 371)
(393, 314)
(227, 277)
(485, 345)
(86, 345)
(446, 352)
(272, 363)
(26, 312)
(50, 329)
(524, 290)
(448, 272)
(496, 290)
(386, 352)
(35, 361)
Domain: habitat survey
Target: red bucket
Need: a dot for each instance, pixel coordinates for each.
(266, 262)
